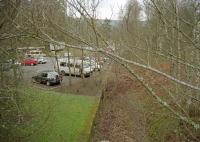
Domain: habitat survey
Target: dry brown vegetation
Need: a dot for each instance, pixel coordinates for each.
(127, 113)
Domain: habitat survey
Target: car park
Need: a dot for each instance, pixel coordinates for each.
(29, 62)
(48, 77)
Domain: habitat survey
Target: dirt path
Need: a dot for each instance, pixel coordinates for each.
(121, 117)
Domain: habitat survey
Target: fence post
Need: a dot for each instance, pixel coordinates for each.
(70, 83)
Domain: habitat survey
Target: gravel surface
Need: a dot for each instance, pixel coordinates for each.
(86, 86)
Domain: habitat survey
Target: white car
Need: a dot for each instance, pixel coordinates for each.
(86, 69)
(75, 68)
(42, 60)
(94, 65)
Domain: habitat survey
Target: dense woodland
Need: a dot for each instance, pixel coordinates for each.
(165, 44)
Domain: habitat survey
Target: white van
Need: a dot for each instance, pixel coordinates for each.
(75, 68)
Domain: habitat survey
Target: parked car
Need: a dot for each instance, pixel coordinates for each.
(93, 65)
(92, 62)
(30, 62)
(75, 68)
(17, 63)
(47, 77)
(41, 60)
(14, 62)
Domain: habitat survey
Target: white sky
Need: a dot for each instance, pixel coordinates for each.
(111, 8)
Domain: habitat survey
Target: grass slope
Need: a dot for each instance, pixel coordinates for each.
(55, 117)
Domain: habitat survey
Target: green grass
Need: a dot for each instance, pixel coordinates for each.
(56, 117)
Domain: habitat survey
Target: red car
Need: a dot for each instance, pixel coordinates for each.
(30, 62)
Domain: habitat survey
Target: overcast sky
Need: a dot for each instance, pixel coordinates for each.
(111, 8)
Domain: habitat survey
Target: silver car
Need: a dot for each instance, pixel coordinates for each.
(42, 60)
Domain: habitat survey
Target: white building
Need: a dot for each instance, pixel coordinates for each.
(54, 47)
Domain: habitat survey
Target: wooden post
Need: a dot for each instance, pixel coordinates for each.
(56, 59)
(90, 65)
(74, 67)
(70, 83)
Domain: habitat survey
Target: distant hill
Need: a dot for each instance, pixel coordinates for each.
(113, 23)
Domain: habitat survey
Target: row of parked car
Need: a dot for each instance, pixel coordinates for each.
(78, 67)
(74, 66)
(8, 64)
(34, 61)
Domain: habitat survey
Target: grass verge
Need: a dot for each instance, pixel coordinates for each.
(55, 117)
